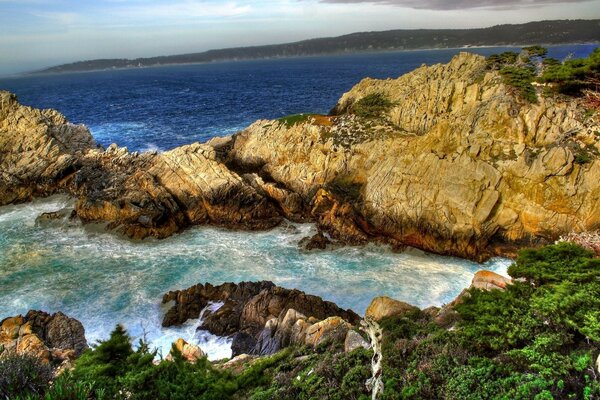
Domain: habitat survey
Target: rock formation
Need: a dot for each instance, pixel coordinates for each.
(456, 163)
(261, 317)
(39, 149)
(139, 195)
(56, 338)
(384, 307)
(189, 352)
(483, 280)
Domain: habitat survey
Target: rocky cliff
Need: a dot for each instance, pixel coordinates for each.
(456, 163)
(139, 195)
(453, 162)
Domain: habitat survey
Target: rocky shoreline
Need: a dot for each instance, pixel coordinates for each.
(262, 319)
(456, 164)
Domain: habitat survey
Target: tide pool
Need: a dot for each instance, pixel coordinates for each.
(103, 279)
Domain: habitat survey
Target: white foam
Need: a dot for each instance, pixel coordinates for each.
(102, 279)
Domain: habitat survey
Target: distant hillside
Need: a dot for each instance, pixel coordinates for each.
(540, 32)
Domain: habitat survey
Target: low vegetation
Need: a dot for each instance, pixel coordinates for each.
(292, 120)
(372, 105)
(538, 339)
(570, 77)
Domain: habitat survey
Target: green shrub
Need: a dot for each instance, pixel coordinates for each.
(572, 76)
(521, 78)
(372, 105)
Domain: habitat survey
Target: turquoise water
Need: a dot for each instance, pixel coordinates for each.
(102, 279)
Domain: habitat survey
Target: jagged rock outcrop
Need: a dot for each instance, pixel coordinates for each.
(459, 164)
(38, 150)
(139, 195)
(56, 338)
(261, 317)
(159, 194)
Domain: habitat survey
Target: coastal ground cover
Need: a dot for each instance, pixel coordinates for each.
(538, 339)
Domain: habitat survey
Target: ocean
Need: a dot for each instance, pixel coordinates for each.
(102, 279)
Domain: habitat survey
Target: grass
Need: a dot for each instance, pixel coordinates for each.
(294, 119)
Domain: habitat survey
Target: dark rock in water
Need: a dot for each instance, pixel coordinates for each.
(242, 343)
(50, 217)
(190, 302)
(317, 241)
(247, 307)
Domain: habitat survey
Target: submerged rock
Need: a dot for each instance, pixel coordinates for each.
(316, 242)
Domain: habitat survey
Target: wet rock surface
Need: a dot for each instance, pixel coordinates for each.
(261, 317)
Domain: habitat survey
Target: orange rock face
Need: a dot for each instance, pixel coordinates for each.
(384, 307)
(488, 280)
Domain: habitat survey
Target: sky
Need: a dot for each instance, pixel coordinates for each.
(41, 33)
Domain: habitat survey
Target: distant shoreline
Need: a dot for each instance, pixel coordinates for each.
(225, 61)
(550, 33)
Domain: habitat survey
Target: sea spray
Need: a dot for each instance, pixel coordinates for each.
(102, 279)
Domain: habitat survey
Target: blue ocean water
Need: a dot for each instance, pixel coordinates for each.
(165, 107)
(103, 279)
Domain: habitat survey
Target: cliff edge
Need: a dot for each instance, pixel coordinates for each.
(446, 158)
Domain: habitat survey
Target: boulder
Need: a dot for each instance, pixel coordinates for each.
(189, 352)
(279, 333)
(32, 345)
(354, 341)
(488, 280)
(54, 338)
(58, 330)
(384, 307)
(332, 329)
(242, 343)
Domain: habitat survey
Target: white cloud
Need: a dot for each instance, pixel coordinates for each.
(184, 9)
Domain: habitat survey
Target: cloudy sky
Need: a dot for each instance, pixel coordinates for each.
(38, 33)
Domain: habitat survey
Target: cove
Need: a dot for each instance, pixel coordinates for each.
(102, 279)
